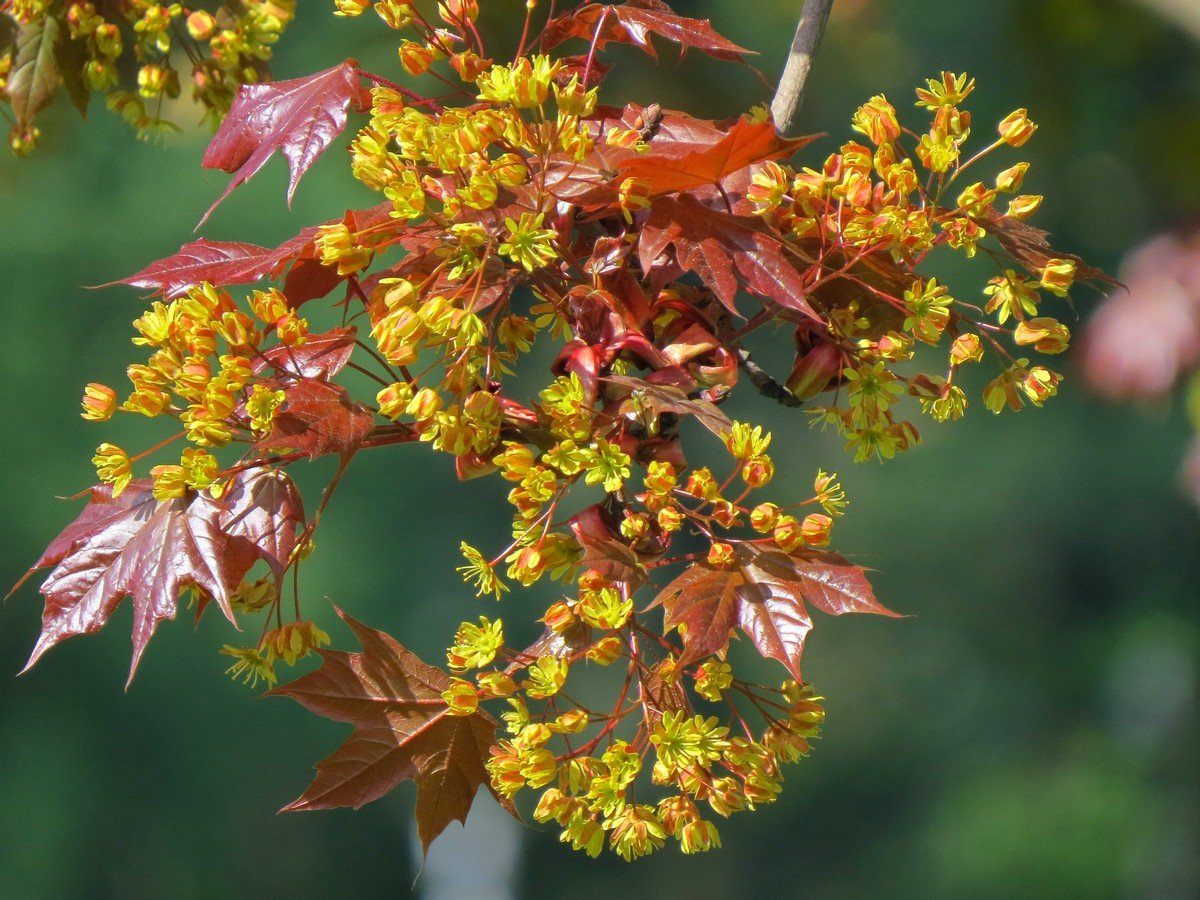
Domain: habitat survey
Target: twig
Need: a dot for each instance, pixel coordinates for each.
(1183, 13)
(767, 386)
(809, 31)
(413, 96)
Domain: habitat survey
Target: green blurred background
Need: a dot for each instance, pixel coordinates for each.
(1030, 730)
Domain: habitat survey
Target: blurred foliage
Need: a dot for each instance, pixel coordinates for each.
(1030, 730)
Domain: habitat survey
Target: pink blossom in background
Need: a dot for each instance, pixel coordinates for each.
(1191, 471)
(1142, 340)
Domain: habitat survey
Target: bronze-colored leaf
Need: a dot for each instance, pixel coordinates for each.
(299, 117)
(322, 356)
(1030, 246)
(669, 398)
(224, 263)
(634, 22)
(318, 417)
(742, 145)
(659, 695)
(402, 731)
(35, 75)
(150, 550)
(763, 594)
(603, 552)
(724, 250)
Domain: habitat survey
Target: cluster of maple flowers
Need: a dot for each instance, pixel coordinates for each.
(82, 45)
(533, 213)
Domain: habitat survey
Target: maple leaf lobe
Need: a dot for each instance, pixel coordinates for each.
(148, 550)
(725, 251)
(402, 731)
(633, 23)
(318, 417)
(299, 117)
(763, 594)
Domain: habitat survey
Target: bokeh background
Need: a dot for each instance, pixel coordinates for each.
(1030, 729)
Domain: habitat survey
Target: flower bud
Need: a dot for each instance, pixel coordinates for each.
(425, 404)
(763, 517)
(1045, 334)
(813, 371)
(816, 528)
(1017, 128)
(720, 555)
(496, 684)
(201, 25)
(966, 348)
(394, 398)
(461, 698)
(1010, 180)
(99, 402)
(606, 650)
(1058, 276)
(787, 533)
(1023, 207)
(416, 58)
(670, 519)
(560, 617)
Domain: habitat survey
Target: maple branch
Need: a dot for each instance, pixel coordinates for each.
(809, 31)
(761, 379)
(1180, 12)
(410, 95)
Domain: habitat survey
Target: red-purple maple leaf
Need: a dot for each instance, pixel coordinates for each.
(318, 417)
(633, 23)
(402, 730)
(322, 356)
(668, 170)
(300, 117)
(668, 398)
(263, 509)
(763, 594)
(219, 263)
(150, 550)
(724, 250)
(223, 263)
(613, 559)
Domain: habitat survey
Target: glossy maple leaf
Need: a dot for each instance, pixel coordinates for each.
(613, 559)
(633, 23)
(299, 117)
(224, 263)
(149, 550)
(309, 278)
(1030, 246)
(263, 509)
(835, 585)
(318, 417)
(745, 144)
(36, 73)
(569, 643)
(763, 594)
(671, 129)
(402, 731)
(668, 398)
(220, 263)
(322, 356)
(658, 695)
(724, 250)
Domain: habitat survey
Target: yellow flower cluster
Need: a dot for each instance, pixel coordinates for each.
(200, 373)
(872, 200)
(224, 50)
(499, 253)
